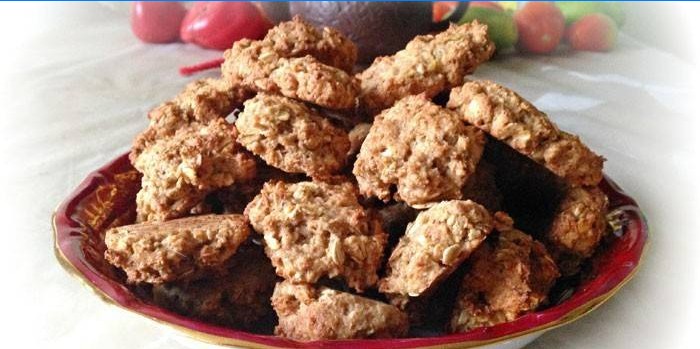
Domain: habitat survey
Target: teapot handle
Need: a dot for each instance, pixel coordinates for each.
(457, 13)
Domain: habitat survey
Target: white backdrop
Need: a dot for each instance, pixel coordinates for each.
(76, 85)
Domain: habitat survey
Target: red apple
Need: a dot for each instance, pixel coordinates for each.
(217, 25)
(540, 27)
(157, 22)
(593, 32)
(441, 9)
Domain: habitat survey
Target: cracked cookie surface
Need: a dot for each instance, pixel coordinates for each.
(200, 102)
(428, 65)
(315, 229)
(579, 225)
(309, 313)
(177, 249)
(509, 275)
(291, 136)
(511, 119)
(179, 171)
(434, 245)
(306, 63)
(424, 152)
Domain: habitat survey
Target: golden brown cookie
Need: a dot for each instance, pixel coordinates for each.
(579, 225)
(177, 249)
(291, 136)
(435, 244)
(256, 66)
(509, 275)
(298, 38)
(200, 102)
(421, 151)
(307, 79)
(316, 229)
(304, 63)
(179, 171)
(309, 313)
(428, 65)
(511, 119)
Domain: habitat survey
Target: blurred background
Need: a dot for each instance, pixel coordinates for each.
(666, 25)
(77, 79)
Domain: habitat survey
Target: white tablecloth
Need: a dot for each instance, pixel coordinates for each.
(76, 86)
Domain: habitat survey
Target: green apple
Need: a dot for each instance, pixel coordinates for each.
(502, 29)
(573, 11)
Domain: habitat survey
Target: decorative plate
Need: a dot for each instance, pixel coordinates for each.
(106, 199)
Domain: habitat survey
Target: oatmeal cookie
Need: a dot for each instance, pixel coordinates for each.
(296, 65)
(200, 102)
(291, 136)
(578, 227)
(309, 313)
(173, 250)
(180, 170)
(511, 119)
(298, 38)
(422, 151)
(240, 298)
(509, 275)
(428, 65)
(250, 62)
(255, 65)
(307, 79)
(317, 229)
(435, 244)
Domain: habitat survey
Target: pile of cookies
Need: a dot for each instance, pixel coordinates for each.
(341, 206)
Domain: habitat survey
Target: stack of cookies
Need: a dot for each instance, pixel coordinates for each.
(339, 206)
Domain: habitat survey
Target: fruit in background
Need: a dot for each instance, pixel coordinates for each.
(540, 27)
(217, 25)
(575, 10)
(508, 6)
(443, 9)
(157, 22)
(594, 32)
(502, 29)
(486, 4)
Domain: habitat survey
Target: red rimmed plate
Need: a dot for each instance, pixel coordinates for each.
(106, 199)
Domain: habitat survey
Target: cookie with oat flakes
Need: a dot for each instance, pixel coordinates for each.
(291, 136)
(511, 119)
(428, 65)
(434, 245)
(179, 171)
(174, 250)
(309, 313)
(421, 151)
(509, 275)
(316, 229)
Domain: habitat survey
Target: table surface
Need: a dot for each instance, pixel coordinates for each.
(76, 86)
